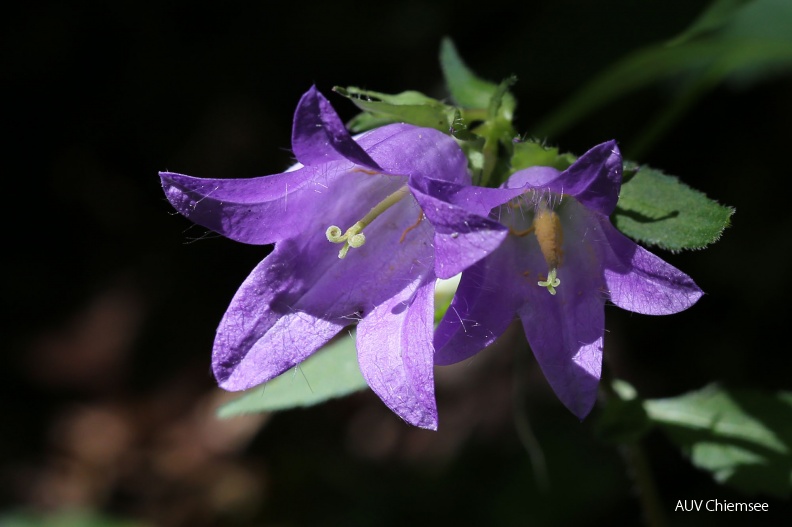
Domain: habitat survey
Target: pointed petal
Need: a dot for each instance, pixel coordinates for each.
(318, 135)
(461, 238)
(395, 353)
(570, 355)
(594, 179)
(264, 332)
(641, 282)
(482, 308)
(258, 210)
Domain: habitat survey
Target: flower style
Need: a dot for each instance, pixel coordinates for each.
(562, 260)
(362, 228)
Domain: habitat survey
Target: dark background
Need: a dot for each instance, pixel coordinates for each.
(110, 300)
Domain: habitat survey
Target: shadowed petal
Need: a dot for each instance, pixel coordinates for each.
(395, 353)
(461, 238)
(565, 333)
(482, 308)
(264, 332)
(565, 330)
(478, 200)
(318, 135)
(641, 282)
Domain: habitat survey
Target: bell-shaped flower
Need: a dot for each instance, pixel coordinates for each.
(362, 229)
(561, 262)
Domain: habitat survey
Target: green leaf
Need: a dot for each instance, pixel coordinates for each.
(623, 419)
(660, 210)
(717, 14)
(733, 40)
(742, 437)
(409, 107)
(331, 372)
(468, 90)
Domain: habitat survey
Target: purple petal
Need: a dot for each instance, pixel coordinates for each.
(395, 353)
(565, 330)
(531, 178)
(264, 332)
(594, 179)
(318, 135)
(482, 308)
(641, 282)
(478, 200)
(418, 153)
(461, 238)
(267, 209)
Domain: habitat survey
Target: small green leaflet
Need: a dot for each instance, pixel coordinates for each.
(742, 437)
(410, 107)
(331, 372)
(660, 210)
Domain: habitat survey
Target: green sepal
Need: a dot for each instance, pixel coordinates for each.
(408, 107)
(657, 209)
(331, 372)
(531, 153)
(366, 121)
(742, 437)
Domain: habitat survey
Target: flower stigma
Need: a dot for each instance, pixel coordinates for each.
(551, 283)
(353, 237)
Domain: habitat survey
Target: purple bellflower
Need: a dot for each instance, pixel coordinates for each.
(362, 229)
(562, 260)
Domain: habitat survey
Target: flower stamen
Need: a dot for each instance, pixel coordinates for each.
(550, 236)
(353, 237)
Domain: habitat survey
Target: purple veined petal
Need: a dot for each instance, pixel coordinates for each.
(565, 331)
(303, 293)
(394, 343)
(641, 282)
(264, 332)
(418, 153)
(461, 238)
(268, 209)
(319, 136)
(594, 179)
(482, 308)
